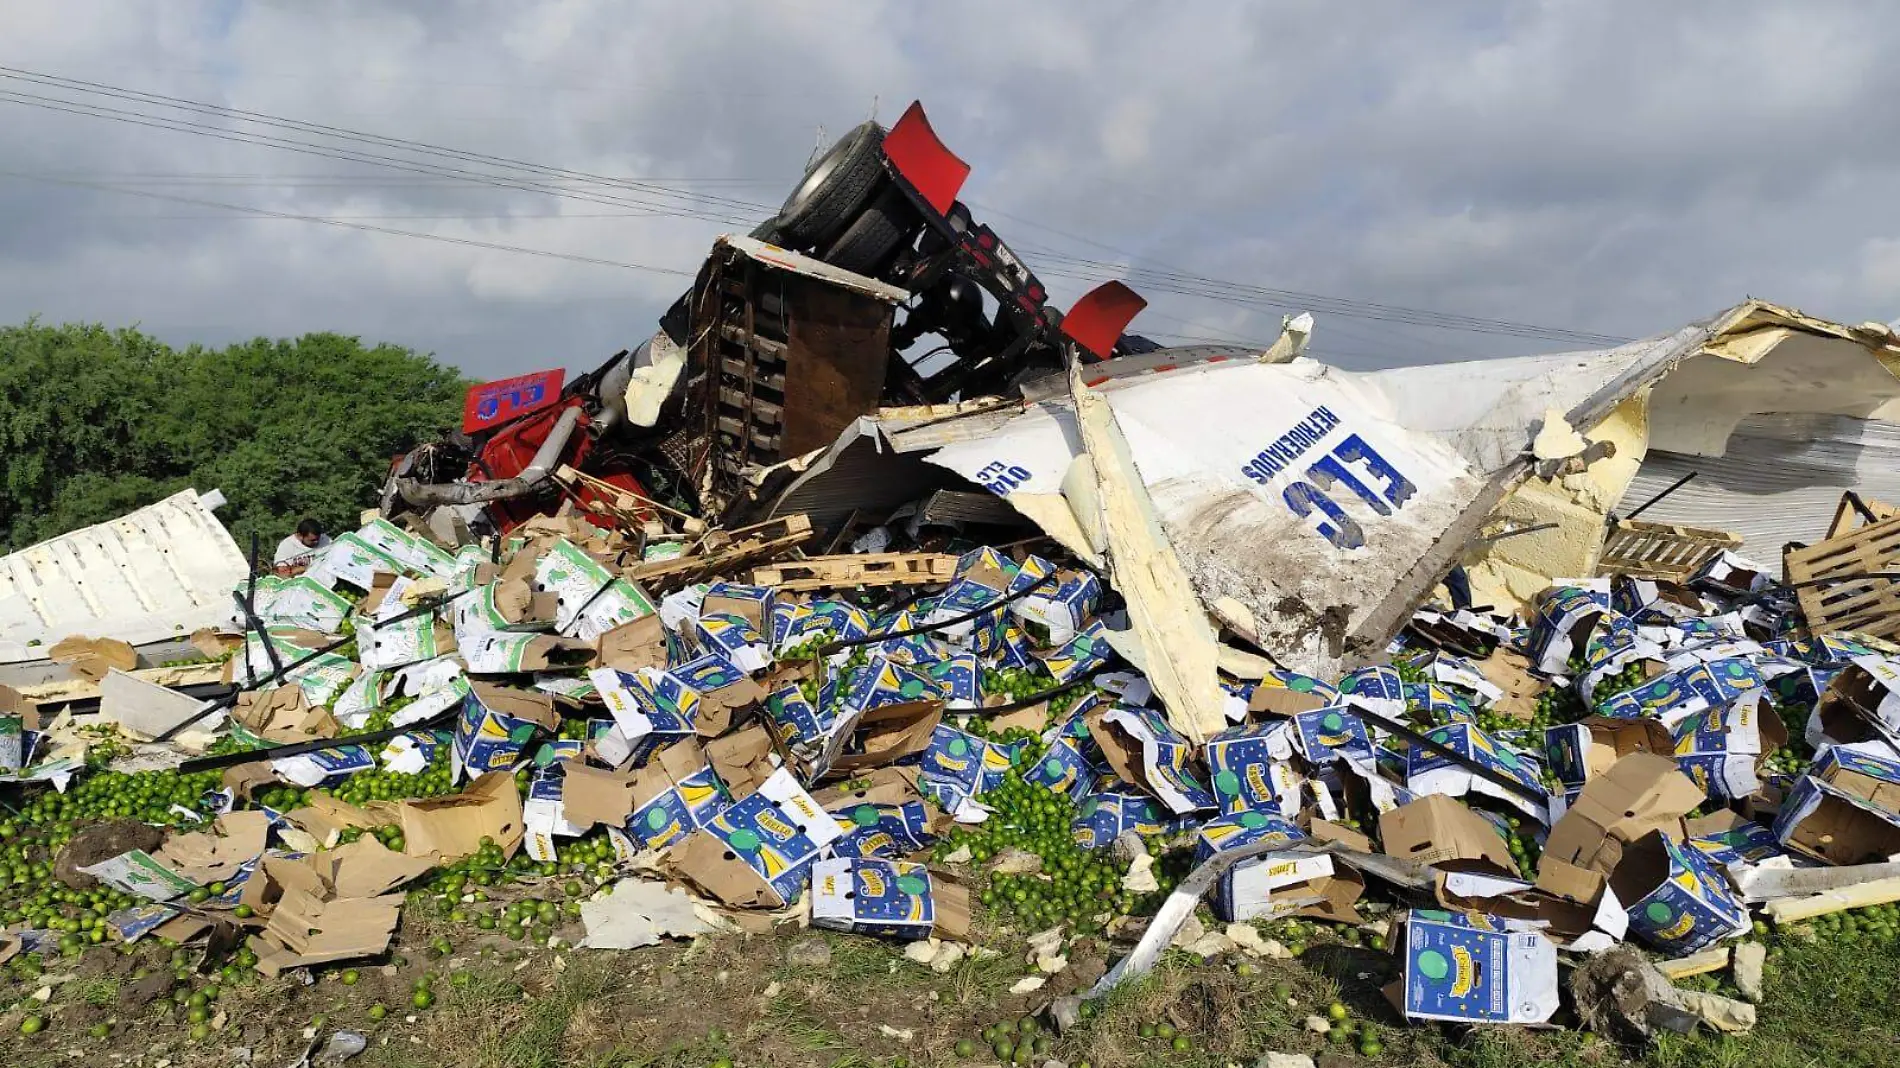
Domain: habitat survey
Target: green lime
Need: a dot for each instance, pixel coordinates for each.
(1336, 1012)
(350, 977)
(32, 1025)
(423, 999)
(966, 1048)
(377, 1011)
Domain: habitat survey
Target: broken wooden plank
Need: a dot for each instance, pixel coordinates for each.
(862, 569)
(1855, 511)
(1709, 960)
(1791, 909)
(722, 550)
(1164, 612)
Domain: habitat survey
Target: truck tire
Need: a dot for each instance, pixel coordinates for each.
(866, 246)
(835, 188)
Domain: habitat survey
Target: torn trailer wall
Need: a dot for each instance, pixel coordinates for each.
(1293, 498)
(156, 573)
(1775, 411)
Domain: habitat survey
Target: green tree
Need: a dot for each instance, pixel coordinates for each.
(96, 422)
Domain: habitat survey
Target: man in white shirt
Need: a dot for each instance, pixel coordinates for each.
(295, 552)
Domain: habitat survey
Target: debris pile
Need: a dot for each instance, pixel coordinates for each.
(943, 749)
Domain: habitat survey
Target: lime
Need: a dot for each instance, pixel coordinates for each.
(423, 999)
(32, 1025)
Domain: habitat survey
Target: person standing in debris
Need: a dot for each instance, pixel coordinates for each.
(295, 552)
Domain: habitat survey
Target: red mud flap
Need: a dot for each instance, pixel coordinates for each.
(1098, 319)
(931, 169)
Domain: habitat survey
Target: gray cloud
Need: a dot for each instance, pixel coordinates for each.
(1612, 167)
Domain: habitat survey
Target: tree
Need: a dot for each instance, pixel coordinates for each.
(96, 422)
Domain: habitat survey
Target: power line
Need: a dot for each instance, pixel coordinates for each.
(340, 133)
(347, 225)
(335, 152)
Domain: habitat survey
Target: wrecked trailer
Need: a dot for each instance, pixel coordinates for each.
(1313, 506)
(821, 315)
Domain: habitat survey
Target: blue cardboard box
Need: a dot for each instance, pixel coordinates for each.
(1253, 771)
(1678, 901)
(1143, 749)
(1244, 891)
(893, 898)
(1111, 807)
(495, 726)
(1430, 773)
(1324, 735)
(1464, 971)
(1824, 821)
(760, 849)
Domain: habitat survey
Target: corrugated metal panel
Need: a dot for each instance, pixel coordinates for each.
(165, 569)
(1779, 481)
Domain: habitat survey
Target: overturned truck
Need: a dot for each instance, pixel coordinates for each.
(872, 286)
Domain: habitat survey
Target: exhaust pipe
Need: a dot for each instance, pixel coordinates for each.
(531, 478)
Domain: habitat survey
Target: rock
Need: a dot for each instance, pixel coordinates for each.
(102, 841)
(1620, 995)
(1191, 931)
(961, 855)
(142, 992)
(1284, 1060)
(1319, 1025)
(1027, 985)
(1016, 862)
(813, 952)
(1051, 964)
(1724, 1014)
(1087, 971)
(1141, 877)
(341, 1046)
(1750, 957)
(1128, 845)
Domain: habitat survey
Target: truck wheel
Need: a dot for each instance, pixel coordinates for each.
(867, 244)
(834, 189)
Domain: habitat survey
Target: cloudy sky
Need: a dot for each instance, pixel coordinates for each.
(1611, 168)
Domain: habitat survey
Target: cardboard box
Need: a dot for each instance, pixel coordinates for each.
(1822, 820)
(744, 759)
(1639, 794)
(760, 850)
(890, 733)
(351, 559)
(1565, 617)
(1143, 749)
(758, 605)
(1253, 771)
(1728, 839)
(452, 826)
(674, 795)
(718, 690)
(325, 767)
(1463, 970)
(92, 658)
(1722, 748)
(137, 872)
(392, 645)
(971, 765)
(735, 638)
(645, 718)
(1677, 900)
(1335, 732)
(1111, 807)
(499, 652)
(1072, 761)
(300, 602)
(1444, 833)
(894, 898)
(1077, 657)
(959, 679)
(1245, 891)
(1866, 770)
(885, 816)
(1577, 752)
(213, 855)
(1867, 688)
(495, 726)
(304, 930)
(1427, 772)
(1053, 616)
(632, 646)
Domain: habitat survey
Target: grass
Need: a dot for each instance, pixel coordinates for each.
(1829, 1003)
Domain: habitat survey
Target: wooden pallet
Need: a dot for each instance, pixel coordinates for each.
(719, 552)
(626, 508)
(1660, 551)
(1864, 606)
(1855, 512)
(858, 569)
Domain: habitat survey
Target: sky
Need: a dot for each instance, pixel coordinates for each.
(1533, 169)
